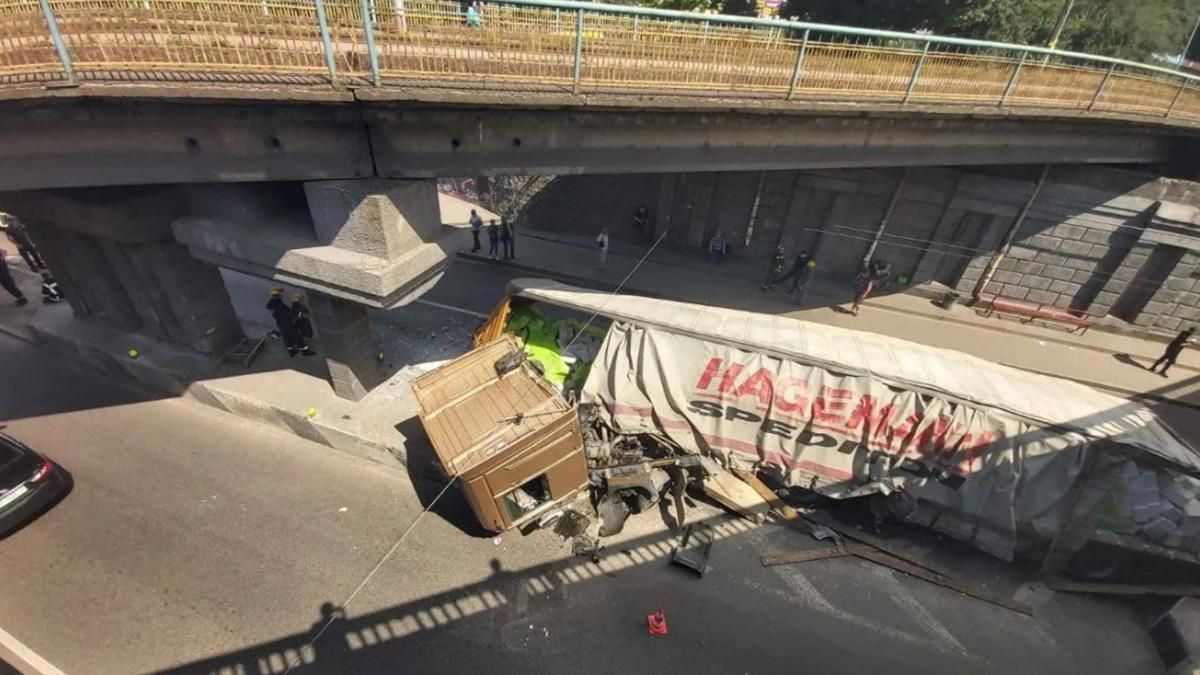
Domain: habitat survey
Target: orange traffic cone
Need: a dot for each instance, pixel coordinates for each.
(656, 623)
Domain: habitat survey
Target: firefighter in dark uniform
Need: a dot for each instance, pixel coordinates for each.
(285, 321)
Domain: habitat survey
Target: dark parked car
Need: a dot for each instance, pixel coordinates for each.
(29, 484)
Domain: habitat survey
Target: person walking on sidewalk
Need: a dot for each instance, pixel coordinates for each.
(50, 291)
(508, 239)
(775, 271)
(1174, 349)
(602, 244)
(285, 321)
(493, 232)
(476, 225)
(19, 236)
(7, 282)
(717, 248)
(864, 283)
(800, 274)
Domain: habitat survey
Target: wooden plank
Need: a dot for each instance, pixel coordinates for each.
(732, 493)
(783, 510)
(1061, 584)
(773, 559)
(953, 583)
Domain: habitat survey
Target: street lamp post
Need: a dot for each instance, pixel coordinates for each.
(1062, 23)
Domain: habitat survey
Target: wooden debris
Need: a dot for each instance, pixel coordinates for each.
(732, 493)
(773, 559)
(880, 551)
(1071, 586)
(783, 510)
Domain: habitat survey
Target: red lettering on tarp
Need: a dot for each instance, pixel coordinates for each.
(788, 396)
(730, 376)
(831, 405)
(710, 371)
(973, 448)
(902, 430)
(759, 385)
(873, 417)
(931, 440)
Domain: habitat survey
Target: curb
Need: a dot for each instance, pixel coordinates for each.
(156, 379)
(312, 429)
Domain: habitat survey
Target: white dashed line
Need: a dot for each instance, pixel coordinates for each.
(903, 597)
(451, 308)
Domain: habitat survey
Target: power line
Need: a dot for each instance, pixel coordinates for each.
(375, 569)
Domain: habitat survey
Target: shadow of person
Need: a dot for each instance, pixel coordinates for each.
(328, 642)
(1128, 360)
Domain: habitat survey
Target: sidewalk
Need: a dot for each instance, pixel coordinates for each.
(1113, 362)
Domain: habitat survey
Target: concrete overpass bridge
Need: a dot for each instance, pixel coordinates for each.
(295, 139)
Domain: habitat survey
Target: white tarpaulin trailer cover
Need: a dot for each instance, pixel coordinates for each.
(984, 452)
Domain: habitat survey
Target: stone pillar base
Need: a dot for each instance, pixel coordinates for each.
(345, 335)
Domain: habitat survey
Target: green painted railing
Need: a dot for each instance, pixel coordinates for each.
(549, 45)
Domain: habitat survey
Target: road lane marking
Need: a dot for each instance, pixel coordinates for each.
(452, 308)
(27, 656)
(903, 597)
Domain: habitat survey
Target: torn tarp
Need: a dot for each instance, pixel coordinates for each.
(979, 474)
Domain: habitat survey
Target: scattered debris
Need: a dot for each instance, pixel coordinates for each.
(732, 493)
(571, 524)
(773, 559)
(586, 546)
(613, 512)
(694, 548)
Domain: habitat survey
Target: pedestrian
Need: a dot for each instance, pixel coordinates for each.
(775, 270)
(864, 283)
(6, 280)
(50, 291)
(717, 248)
(1174, 348)
(493, 233)
(285, 321)
(19, 236)
(508, 239)
(641, 222)
(303, 315)
(476, 225)
(602, 244)
(474, 18)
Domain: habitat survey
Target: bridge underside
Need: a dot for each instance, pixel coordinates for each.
(76, 141)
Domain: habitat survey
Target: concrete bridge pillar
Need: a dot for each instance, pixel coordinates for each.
(113, 253)
(353, 244)
(345, 335)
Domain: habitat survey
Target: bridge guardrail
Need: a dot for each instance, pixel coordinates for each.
(560, 45)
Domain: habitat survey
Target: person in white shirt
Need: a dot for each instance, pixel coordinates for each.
(602, 244)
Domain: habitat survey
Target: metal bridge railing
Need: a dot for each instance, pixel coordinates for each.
(559, 45)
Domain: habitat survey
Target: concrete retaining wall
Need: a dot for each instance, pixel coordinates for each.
(1100, 240)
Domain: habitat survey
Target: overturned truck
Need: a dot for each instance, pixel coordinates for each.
(1012, 462)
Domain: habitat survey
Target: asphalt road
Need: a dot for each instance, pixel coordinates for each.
(195, 541)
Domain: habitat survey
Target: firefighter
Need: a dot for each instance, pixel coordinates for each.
(50, 291)
(285, 321)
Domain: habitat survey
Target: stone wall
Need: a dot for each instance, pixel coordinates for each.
(1100, 240)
